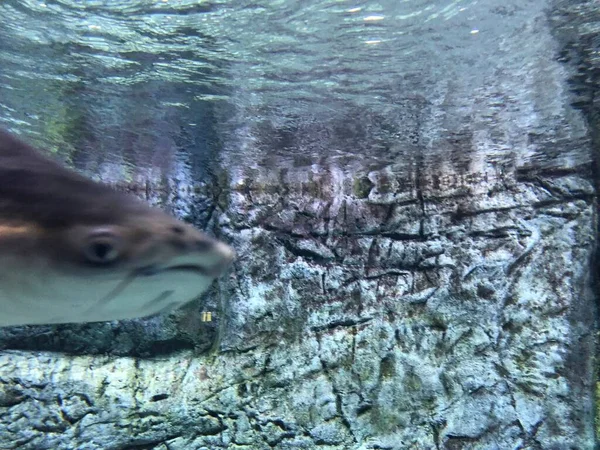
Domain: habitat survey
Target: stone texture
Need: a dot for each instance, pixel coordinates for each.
(347, 327)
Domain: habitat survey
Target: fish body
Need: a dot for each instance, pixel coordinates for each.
(73, 250)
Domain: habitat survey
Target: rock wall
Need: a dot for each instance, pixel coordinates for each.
(457, 317)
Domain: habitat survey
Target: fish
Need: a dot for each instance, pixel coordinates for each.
(73, 250)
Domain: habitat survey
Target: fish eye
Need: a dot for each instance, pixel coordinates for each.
(102, 248)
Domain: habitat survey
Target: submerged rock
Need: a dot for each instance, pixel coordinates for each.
(474, 333)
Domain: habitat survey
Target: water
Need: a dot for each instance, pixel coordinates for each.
(409, 187)
(301, 80)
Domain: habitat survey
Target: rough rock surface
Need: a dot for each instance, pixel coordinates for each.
(433, 304)
(451, 319)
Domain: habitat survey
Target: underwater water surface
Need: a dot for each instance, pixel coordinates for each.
(373, 82)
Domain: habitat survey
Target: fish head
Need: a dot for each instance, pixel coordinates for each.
(144, 243)
(72, 251)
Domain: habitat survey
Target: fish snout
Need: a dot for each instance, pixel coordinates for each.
(201, 252)
(219, 258)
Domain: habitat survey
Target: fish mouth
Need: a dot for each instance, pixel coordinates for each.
(211, 265)
(196, 269)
